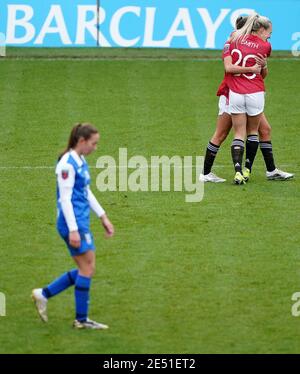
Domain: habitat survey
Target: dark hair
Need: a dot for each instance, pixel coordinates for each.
(240, 22)
(80, 130)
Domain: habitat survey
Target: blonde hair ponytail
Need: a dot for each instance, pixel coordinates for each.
(254, 23)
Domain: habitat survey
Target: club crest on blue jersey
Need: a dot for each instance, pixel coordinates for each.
(65, 174)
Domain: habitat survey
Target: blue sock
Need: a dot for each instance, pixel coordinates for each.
(58, 285)
(82, 293)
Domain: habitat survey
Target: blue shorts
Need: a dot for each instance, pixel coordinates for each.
(86, 243)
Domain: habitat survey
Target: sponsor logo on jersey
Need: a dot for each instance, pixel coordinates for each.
(88, 238)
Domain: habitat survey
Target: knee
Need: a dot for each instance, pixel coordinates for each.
(88, 270)
(92, 270)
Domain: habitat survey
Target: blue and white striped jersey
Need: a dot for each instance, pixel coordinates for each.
(74, 196)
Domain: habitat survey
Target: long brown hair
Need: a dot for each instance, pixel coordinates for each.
(80, 130)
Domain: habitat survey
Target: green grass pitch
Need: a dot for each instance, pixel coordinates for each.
(210, 277)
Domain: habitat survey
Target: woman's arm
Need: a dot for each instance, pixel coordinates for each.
(66, 180)
(94, 204)
(97, 208)
(236, 69)
(262, 61)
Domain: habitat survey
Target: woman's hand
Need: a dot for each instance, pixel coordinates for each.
(74, 239)
(256, 69)
(261, 60)
(236, 69)
(108, 226)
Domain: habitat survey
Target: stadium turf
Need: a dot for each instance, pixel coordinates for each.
(210, 277)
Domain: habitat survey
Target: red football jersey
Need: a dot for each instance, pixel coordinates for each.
(243, 53)
(223, 89)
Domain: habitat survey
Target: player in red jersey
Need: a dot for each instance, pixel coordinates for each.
(223, 127)
(246, 91)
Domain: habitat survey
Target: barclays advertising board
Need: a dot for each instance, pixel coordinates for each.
(141, 23)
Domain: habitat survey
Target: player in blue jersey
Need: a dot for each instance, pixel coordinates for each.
(74, 202)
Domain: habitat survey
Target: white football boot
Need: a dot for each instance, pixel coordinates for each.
(40, 303)
(211, 177)
(89, 324)
(279, 175)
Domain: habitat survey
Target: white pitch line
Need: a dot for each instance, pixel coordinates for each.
(111, 59)
(91, 167)
(26, 167)
(142, 59)
(121, 167)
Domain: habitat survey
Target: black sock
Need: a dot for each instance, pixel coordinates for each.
(267, 151)
(211, 152)
(251, 149)
(237, 151)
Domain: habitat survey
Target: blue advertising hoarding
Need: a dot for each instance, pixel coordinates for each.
(201, 24)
